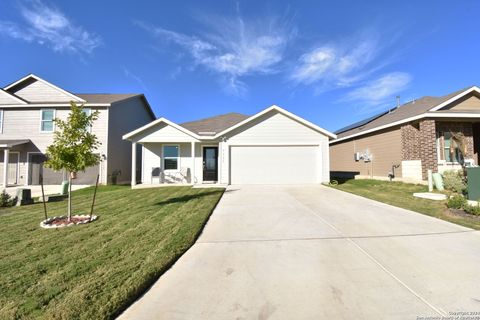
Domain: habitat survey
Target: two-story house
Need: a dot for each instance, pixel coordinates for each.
(27, 110)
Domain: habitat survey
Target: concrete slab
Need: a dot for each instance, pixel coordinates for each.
(311, 252)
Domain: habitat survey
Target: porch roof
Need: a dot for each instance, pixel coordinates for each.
(12, 143)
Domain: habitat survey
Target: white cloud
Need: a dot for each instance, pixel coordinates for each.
(381, 92)
(49, 26)
(335, 65)
(232, 48)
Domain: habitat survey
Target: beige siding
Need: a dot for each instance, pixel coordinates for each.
(38, 91)
(384, 146)
(124, 116)
(152, 153)
(468, 103)
(23, 123)
(6, 98)
(275, 127)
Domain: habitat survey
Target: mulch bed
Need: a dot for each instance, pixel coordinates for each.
(62, 221)
(461, 213)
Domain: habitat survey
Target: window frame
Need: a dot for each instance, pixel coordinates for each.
(441, 147)
(164, 157)
(42, 121)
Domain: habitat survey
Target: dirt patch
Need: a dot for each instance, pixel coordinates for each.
(462, 214)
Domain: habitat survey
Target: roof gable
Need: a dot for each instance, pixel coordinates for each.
(36, 90)
(8, 98)
(469, 102)
(150, 128)
(282, 111)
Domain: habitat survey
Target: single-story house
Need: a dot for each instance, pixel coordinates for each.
(407, 141)
(273, 146)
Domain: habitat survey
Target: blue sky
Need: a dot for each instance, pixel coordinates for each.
(332, 62)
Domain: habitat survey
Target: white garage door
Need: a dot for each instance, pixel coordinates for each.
(274, 164)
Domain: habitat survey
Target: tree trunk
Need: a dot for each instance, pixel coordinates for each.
(69, 198)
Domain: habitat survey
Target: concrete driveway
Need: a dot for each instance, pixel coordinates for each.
(311, 252)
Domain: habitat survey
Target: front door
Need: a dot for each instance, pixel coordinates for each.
(210, 164)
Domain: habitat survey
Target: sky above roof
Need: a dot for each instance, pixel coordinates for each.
(332, 63)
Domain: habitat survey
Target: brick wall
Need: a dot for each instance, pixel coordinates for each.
(428, 147)
(419, 143)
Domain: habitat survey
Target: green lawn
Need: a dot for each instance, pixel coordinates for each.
(96, 270)
(401, 195)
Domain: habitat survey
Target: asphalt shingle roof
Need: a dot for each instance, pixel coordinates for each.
(105, 97)
(214, 124)
(407, 110)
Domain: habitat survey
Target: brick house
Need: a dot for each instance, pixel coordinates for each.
(409, 140)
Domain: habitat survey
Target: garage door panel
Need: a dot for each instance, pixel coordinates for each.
(274, 164)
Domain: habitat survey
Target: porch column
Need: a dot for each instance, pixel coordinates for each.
(193, 162)
(134, 164)
(6, 154)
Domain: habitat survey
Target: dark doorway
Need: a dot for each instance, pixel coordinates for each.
(476, 142)
(210, 163)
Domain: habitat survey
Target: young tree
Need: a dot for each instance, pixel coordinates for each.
(73, 146)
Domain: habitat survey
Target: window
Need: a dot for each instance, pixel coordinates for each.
(170, 157)
(448, 150)
(46, 124)
(88, 112)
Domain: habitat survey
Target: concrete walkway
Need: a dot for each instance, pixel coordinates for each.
(311, 252)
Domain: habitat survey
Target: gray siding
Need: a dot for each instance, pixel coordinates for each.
(124, 116)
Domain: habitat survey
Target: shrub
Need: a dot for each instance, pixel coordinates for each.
(455, 181)
(457, 201)
(475, 210)
(6, 200)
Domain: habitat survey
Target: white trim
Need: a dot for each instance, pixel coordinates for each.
(53, 122)
(458, 96)
(280, 110)
(2, 115)
(54, 105)
(31, 75)
(105, 149)
(18, 165)
(162, 164)
(281, 144)
(12, 96)
(28, 165)
(127, 136)
(452, 115)
(218, 160)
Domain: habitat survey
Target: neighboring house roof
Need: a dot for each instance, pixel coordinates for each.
(106, 97)
(100, 99)
(413, 110)
(216, 127)
(213, 125)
